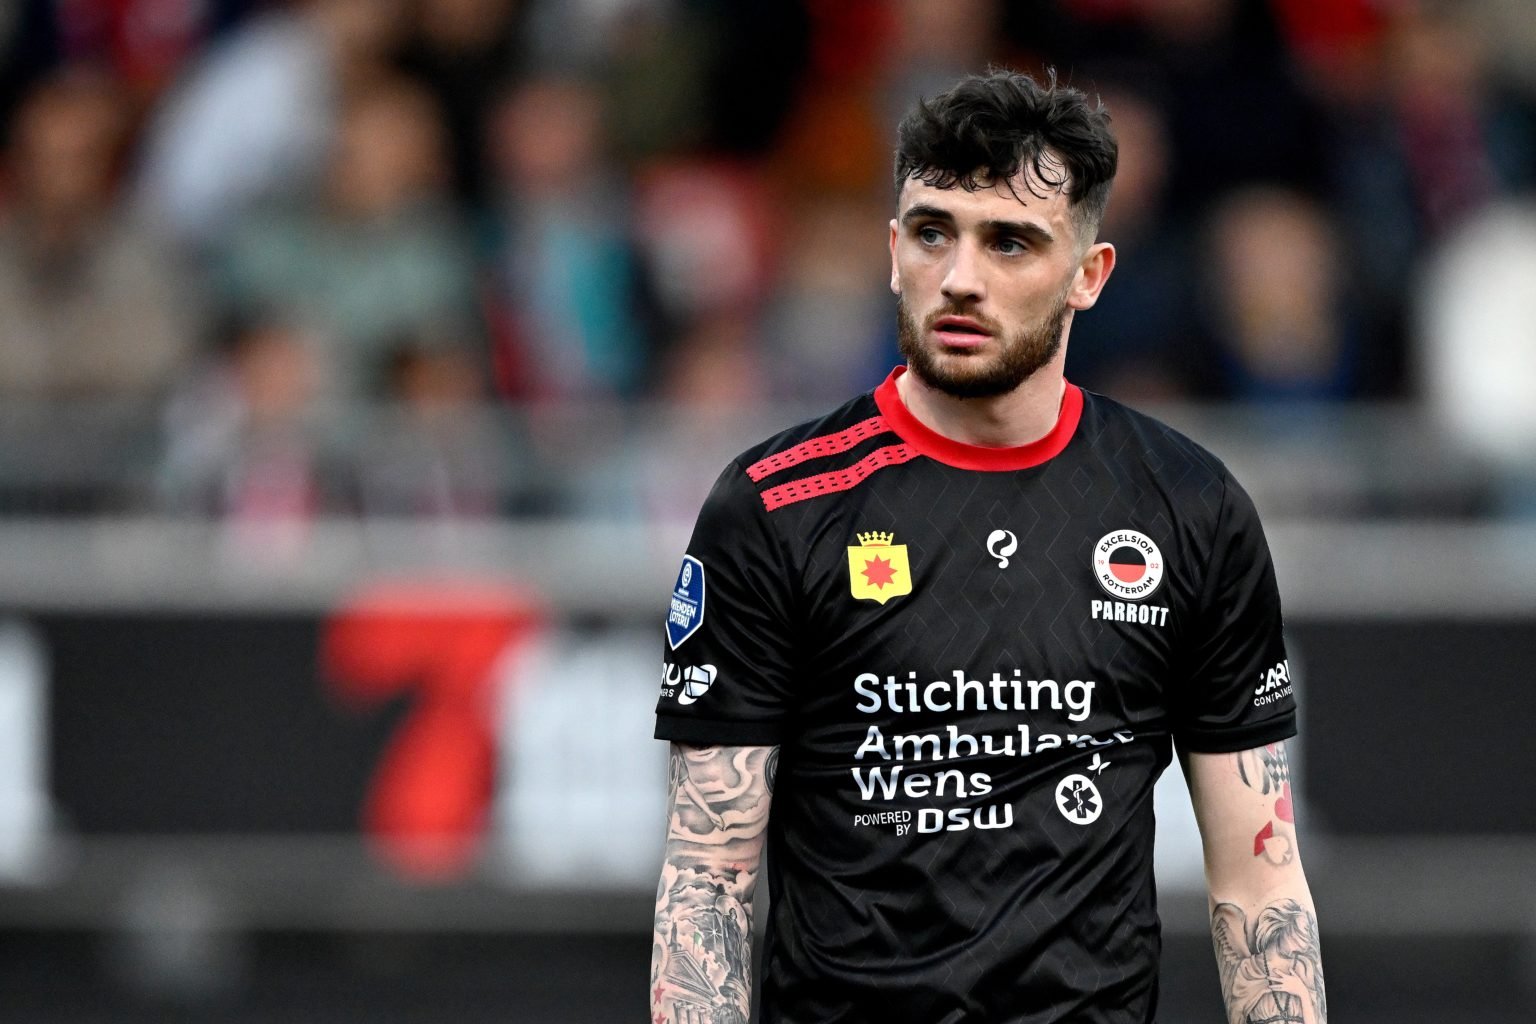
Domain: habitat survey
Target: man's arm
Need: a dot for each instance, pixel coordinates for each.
(717, 812)
(1262, 918)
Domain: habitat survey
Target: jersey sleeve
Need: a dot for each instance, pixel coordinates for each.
(728, 666)
(1237, 688)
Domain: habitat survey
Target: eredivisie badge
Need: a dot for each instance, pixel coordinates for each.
(685, 612)
(1128, 564)
(878, 569)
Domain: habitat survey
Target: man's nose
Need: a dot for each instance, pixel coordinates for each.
(964, 281)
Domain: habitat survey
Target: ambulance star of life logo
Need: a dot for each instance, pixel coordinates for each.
(1127, 564)
(878, 569)
(1078, 800)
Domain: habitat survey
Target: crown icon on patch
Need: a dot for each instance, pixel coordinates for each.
(876, 539)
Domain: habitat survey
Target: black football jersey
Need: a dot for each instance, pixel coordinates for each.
(975, 663)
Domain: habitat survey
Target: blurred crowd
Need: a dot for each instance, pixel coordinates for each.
(242, 211)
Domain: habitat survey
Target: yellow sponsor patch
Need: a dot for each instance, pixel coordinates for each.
(877, 569)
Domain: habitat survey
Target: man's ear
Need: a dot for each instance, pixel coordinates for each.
(1093, 271)
(895, 280)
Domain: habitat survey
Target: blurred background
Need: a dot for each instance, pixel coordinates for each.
(363, 363)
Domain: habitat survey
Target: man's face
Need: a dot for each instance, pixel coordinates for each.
(986, 283)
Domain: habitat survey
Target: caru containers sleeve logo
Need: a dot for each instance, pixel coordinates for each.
(685, 614)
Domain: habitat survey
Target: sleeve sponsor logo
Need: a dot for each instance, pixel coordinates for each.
(1274, 685)
(877, 569)
(687, 683)
(1127, 564)
(685, 613)
(697, 679)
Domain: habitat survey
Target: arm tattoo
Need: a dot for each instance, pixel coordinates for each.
(1268, 770)
(1271, 968)
(682, 787)
(701, 957)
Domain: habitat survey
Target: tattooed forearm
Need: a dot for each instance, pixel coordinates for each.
(701, 957)
(683, 788)
(1271, 968)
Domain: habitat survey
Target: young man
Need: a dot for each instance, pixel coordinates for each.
(953, 631)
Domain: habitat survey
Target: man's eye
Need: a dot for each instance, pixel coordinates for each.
(1011, 247)
(930, 236)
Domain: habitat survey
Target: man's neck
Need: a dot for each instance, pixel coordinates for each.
(1019, 417)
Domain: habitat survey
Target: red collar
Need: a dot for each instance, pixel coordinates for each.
(929, 442)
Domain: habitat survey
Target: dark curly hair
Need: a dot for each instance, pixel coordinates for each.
(986, 128)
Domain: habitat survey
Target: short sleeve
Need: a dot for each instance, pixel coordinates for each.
(1237, 691)
(728, 664)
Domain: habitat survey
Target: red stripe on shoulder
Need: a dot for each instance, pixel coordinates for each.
(838, 479)
(817, 447)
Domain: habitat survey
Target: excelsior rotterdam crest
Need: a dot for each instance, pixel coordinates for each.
(877, 569)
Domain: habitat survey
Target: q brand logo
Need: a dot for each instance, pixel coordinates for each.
(1001, 544)
(877, 569)
(1127, 564)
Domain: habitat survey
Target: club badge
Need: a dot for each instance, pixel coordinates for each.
(1127, 564)
(877, 569)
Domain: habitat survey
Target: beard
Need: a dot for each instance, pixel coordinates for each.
(1021, 354)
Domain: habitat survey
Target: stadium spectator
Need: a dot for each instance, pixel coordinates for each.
(1438, 139)
(144, 42)
(463, 51)
(29, 50)
(628, 162)
(1237, 112)
(245, 444)
(1275, 299)
(253, 118)
(1335, 44)
(433, 452)
(1510, 34)
(1234, 108)
(835, 138)
(90, 308)
(380, 254)
(717, 76)
(569, 294)
(1476, 346)
(932, 44)
(653, 76)
(825, 326)
(1140, 340)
